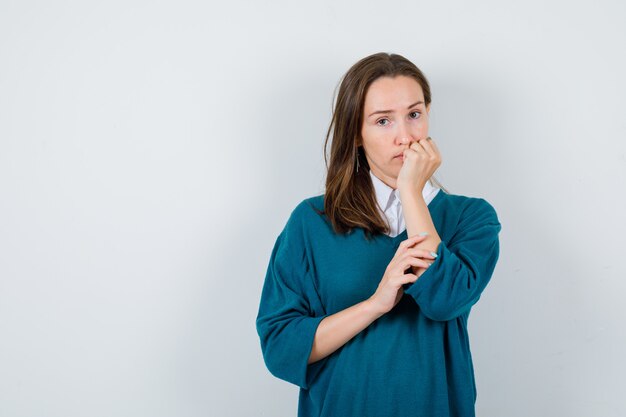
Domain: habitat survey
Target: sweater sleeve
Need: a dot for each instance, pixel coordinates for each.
(463, 266)
(290, 310)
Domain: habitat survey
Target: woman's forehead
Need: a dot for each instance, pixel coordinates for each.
(393, 94)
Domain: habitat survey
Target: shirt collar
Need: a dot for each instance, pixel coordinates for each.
(386, 196)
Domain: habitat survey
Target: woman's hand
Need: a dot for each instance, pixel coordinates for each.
(390, 291)
(421, 160)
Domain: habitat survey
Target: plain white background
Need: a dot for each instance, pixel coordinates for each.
(151, 152)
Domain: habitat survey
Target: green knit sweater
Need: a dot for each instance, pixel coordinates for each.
(413, 361)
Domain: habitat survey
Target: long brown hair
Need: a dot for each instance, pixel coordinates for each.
(350, 199)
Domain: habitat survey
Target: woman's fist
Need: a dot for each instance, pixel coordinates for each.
(421, 160)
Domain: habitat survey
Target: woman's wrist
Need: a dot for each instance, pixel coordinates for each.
(411, 192)
(371, 308)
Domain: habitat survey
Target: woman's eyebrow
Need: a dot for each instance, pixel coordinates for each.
(391, 111)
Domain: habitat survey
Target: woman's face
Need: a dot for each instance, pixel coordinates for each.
(394, 116)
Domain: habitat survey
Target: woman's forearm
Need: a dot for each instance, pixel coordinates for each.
(337, 329)
(418, 220)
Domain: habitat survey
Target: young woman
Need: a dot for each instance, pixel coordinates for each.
(370, 285)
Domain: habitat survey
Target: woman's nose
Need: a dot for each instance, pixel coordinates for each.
(403, 134)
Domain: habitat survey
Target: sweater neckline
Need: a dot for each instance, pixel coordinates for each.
(403, 236)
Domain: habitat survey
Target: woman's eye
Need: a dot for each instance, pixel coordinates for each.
(382, 120)
(416, 113)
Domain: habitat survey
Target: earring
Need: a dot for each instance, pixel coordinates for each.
(357, 160)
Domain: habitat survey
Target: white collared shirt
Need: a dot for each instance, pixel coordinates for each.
(389, 200)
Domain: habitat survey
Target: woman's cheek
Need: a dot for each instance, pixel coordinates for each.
(422, 130)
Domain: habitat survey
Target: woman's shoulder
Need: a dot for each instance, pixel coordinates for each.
(308, 202)
(463, 200)
(467, 206)
(310, 208)
(307, 212)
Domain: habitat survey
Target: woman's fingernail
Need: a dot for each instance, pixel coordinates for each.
(423, 234)
(434, 254)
